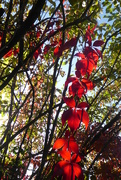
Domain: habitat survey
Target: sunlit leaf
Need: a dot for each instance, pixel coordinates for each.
(69, 101)
(81, 55)
(68, 169)
(66, 155)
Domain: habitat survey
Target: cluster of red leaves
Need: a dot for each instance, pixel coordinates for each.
(109, 161)
(108, 170)
(89, 57)
(113, 148)
(60, 48)
(75, 114)
(78, 86)
(68, 167)
(43, 50)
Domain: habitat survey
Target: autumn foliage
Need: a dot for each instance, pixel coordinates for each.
(78, 86)
(60, 90)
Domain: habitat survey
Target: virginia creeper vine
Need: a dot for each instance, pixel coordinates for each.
(78, 86)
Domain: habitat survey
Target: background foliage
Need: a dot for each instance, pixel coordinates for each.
(32, 75)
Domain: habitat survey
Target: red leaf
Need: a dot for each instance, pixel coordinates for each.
(63, 168)
(99, 52)
(78, 74)
(66, 155)
(70, 43)
(88, 38)
(35, 55)
(81, 55)
(57, 51)
(66, 144)
(58, 170)
(68, 170)
(74, 120)
(82, 90)
(70, 79)
(81, 64)
(83, 105)
(60, 41)
(69, 101)
(81, 67)
(89, 84)
(73, 89)
(91, 54)
(75, 158)
(91, 30)
(78, 171)
(65, 116)
(71, 145)
(59, 143)
(78, 88)
(85, 66)
(84, 117)
(38, 34)
(98, 43)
